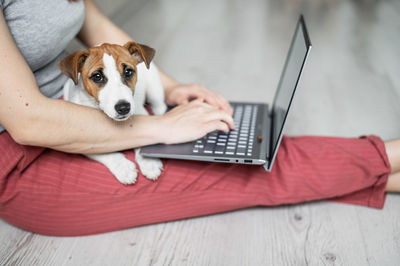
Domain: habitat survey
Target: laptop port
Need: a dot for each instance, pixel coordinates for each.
(248, 161)
(221, 160)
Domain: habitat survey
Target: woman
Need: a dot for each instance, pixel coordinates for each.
(56, 191)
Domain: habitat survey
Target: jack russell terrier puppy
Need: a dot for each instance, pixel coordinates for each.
(117, 79)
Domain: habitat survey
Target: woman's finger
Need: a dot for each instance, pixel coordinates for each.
(183, 101)
(223, 103)
(206, 113)
(227, 105)
(219, 115)
(216, 125)
(199, 91)
(217, 100)
(194, 90)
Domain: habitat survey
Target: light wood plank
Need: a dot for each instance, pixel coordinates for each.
(350, 87)
(381, 232)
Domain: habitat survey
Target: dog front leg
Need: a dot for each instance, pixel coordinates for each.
(122, 168)
(155, 91)
(151, 168)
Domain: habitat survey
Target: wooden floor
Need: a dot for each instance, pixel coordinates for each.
(351, 87)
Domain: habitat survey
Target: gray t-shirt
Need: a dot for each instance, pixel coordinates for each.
(42, 30)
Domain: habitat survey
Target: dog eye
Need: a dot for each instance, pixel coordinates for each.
(97, 77)
(128, 73)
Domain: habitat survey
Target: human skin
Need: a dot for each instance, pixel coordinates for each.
(25, 112)
(78, 129)
(393, 153)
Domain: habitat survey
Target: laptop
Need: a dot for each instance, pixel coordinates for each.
(258, 128)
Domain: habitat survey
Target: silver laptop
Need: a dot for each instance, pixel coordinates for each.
(258, 129)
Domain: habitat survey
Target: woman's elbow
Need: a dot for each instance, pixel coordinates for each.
(26, 128)
(25, 132)
(21, 136)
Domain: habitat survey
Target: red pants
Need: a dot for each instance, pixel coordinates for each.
(56, 193)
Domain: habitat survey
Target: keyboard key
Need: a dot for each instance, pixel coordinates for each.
(241, 150)
(209, 147)
(219, 149)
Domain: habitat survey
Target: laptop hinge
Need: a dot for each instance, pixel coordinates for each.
(267, 165)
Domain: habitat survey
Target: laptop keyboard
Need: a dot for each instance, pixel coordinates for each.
(237, 142)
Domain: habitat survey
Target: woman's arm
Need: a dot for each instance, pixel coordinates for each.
(99, 29)
(33, 119)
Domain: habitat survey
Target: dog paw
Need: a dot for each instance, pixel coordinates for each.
(125, 171)
(151, 168)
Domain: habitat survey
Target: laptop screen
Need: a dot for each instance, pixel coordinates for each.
(295, 61)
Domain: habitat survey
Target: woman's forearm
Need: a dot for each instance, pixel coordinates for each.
(68, 127)
(33, 119)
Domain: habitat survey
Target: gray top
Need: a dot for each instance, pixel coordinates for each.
(42, 29)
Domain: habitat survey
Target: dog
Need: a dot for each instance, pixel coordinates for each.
(117, 80)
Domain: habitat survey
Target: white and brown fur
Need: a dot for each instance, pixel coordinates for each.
(117, 79)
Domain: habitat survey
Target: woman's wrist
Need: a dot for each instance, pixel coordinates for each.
(149, 130)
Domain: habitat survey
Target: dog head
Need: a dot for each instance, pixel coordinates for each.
(109, 74)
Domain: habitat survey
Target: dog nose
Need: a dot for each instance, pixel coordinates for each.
(122, 107)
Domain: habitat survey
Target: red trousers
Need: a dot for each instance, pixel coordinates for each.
(56, 193)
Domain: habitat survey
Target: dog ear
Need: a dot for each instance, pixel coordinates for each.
(141, 52)
(72, 64)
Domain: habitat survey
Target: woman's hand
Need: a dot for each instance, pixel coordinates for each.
(180, 94)
(193, 120)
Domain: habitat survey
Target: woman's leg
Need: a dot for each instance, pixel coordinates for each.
(55, 193)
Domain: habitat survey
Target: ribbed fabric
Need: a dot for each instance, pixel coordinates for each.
(56, 193)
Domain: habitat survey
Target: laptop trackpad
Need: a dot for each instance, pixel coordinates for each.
(178, 149)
